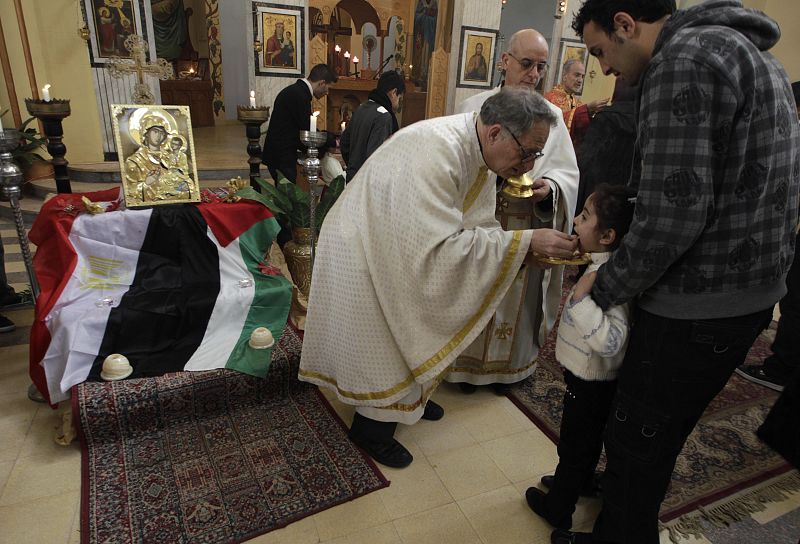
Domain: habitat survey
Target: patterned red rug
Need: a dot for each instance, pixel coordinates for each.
(214, 456)
(722, 456)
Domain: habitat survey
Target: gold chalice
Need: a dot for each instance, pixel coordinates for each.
(518, 187)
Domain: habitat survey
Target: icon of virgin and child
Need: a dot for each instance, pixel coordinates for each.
(159, 169)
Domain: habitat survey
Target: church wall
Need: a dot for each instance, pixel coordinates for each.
(786, 50)
(475, 13)
(237, 51)
(60, 58)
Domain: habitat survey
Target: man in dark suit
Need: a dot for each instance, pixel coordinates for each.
(290, 114)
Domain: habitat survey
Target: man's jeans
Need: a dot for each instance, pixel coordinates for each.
(671, 372)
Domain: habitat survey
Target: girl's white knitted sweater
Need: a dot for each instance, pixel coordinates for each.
(591, 343)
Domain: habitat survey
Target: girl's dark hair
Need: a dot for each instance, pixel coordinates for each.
(613, 205)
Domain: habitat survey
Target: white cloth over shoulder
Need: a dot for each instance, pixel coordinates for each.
(410, 267)
(506, 351)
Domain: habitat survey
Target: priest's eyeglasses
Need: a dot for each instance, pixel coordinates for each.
(528, 65)
(524, 154)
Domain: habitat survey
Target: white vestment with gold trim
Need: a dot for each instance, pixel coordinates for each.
(506, 351)
(410, 266)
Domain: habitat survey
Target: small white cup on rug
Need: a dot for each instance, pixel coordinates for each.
(261, 338)
(116, 367)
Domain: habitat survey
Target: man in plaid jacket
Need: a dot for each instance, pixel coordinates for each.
(713, 235)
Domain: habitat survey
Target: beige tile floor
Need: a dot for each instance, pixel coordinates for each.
(466, 484)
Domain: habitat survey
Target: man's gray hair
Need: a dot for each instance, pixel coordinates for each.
(517, 109)
(568, 64)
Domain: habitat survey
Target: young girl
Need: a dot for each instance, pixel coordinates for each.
(591, 345)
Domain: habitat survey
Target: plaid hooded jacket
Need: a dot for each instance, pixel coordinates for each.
(719, 142)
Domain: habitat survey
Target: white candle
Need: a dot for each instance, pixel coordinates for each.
(46, 93)
(347, 54)
(314, 121)
(252, 99)
(355, 60)
(337, 48)
(343, 125)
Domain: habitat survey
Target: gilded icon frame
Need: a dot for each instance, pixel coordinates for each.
(170, 174)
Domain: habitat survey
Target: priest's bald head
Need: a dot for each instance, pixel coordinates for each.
(525, 62)
(514, 126)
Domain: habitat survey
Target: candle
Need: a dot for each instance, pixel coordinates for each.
(355, 60)
(314, 121)
(337, 48)
(343, 125)
(46, 93)
(347, 54)
(252, 99)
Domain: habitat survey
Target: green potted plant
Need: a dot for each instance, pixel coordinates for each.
(27, 157)
(290, 206)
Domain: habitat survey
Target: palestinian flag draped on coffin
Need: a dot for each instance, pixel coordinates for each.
(172, 287)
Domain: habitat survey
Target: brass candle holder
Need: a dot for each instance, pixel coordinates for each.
(51, 113)
(253, 118)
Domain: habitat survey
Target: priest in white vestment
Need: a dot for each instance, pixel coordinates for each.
(411, 263)
(505, 352)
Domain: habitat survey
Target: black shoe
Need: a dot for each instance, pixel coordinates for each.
(756, 374)
(501, 388)
(390, 453)
(535, 498)
(467, 388)
(6, 325)
(10, 299)
(561, 536)
(591, 490)
(433, 412)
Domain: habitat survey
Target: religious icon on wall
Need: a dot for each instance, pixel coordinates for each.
(156, 154)
(424, 40)
(477, 57)
(110, 22)
(280, 29)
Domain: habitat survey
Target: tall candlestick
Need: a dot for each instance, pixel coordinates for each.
(313, 122)
(46, 93)
(347, 63)
(355, 66)
(252, 99)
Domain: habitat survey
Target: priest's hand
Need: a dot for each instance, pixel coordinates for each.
(541, 190)
(597, 105)
(554, 243)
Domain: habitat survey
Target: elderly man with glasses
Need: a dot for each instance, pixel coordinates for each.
(411, 263)
(504, 353)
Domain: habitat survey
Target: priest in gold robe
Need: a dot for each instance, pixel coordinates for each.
(411, 263)
(577, 115)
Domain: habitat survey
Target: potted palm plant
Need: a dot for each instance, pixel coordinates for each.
(290, 206)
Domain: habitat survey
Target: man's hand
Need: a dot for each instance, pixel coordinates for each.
(597, 105)
(541, 190)
(554, 243)
(584, 286)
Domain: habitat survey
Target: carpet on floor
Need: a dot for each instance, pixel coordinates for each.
(724, 472)
(214, 456)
